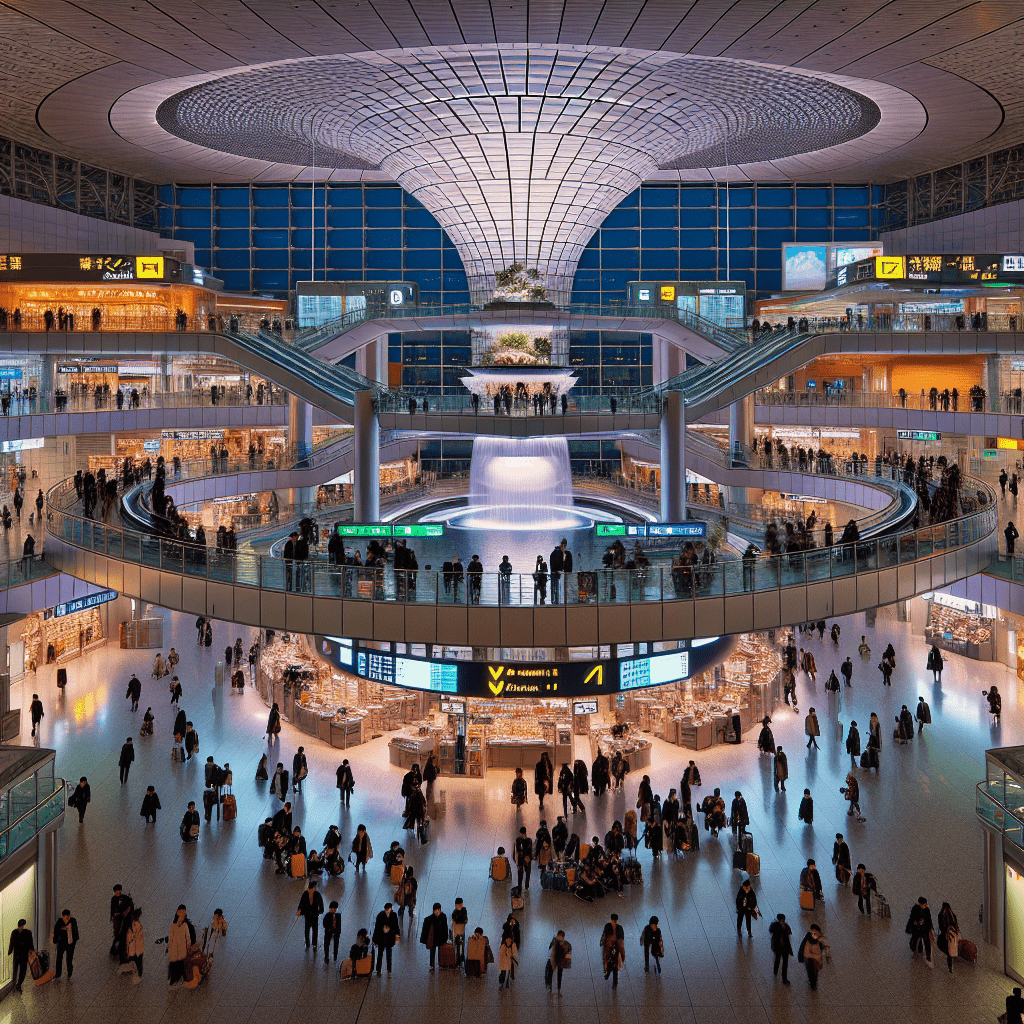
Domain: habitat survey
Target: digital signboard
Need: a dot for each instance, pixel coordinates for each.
(919, 435)
(390, 530)
(692, 528)
(69, 266)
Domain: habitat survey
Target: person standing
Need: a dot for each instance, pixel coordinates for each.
(811, 729)
(65, 938)
(813, 951)
(124, 762)
(934, 664)
(544, 777)
(460, 917)
(847, 670)
(841, 859)
(781, 945)
(135, 944)
(37, 712)
(181, 935)
(150, 804)
(560, 957)
(434, 932)
(346, 782)
(920, 929)
(299, 769)
(1011, 535)
(134, 691)
(311, 906)
(806, 812)
(923, 714)
(739, 818)
(386, 932)
(80, 798)
(613, 949)
(332, 930)
(853, 744)
(780, 770)
(863, 885)
(19, 946)
(810, 880)
(522, 854)
(746, 907)
(1015, 1007)
(556, 562)
(279, 782)
(362, 850)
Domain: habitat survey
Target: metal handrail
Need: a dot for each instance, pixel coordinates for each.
(596, 586)
(50, 799)
(1005, 403)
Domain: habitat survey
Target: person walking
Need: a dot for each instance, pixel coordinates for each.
(947, 938)
(853, 744)
(1011, 535)
(613, 949)
(405, 892)
(846, 670)
(311, 906)
(36, 711)
(813, 951)
(19, 946)
(124, 762)
(812, 729)
(923, 714)
(345, 782)
(134, 691)
(841, 859)
(863, 885)
(810, 880)
(746, 907)
(80, 798)
(434, 932)
(920, 929)
(386, 932)
(780, 770)
(654, 945)
(460, 917)
(806, 812)
(781, 936)
(739, 817)
(363, 851)
(274, 723)
(65, 938)
(332, 931)
(559, 957)
(543, 777)
(508, 960)
(934, 664)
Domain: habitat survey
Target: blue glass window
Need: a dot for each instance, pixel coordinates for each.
(232, 240)
(270, 218)
(270, 197)
(269, 239)
(233, 219)
(194, 218)
(776, 218)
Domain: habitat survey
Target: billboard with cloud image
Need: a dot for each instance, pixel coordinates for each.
(804, 267)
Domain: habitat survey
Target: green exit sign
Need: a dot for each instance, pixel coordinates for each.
(364, 530)
(611, 529)
(418, 530)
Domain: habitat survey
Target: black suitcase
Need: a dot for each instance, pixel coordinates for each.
(739, 861)
(747, 843)
(865, 760)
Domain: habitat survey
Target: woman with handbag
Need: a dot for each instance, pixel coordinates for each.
(405, 892)
(274, 722)
(560, 959)
(814, 951)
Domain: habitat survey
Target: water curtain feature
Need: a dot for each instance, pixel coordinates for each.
(520, 484)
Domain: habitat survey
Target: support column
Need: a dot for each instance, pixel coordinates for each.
(741, 438)
(382, 360)
(300, 425)
(673, 458)
(366, 476)
(46, 377)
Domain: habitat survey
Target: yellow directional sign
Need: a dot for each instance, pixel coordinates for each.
(891, 266)
(497, 684)
(597, 670)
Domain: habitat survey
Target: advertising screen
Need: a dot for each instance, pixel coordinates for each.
(654, 671)
(804, 267)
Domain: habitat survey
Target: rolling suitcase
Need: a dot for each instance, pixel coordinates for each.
(739, 861)
(865, 760)
(753, 864)
(446, 956)
(746, 843)
(346, 968)
(364, 967)
(397, 873)
(517, 897)
(967, 950)
(806, 899)
(297, 865)
(882, 908)
(230, 807)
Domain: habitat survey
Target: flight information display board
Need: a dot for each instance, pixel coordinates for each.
(654, 671)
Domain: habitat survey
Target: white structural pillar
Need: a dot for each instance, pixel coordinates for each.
(673, 458)
(366, 477)
(300, 434)
(741, 439)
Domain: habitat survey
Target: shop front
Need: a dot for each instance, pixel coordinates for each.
(960, 625)
(60, 634)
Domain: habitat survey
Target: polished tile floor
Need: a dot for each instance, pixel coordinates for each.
(920, 837)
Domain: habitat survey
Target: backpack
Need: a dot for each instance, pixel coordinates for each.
(500, 870)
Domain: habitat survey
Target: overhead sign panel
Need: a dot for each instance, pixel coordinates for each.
(691, 528)
(385, 530)
(919, 435)
(69, 266)
(890, 267)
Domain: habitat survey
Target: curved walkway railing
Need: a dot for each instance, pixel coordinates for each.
(601, 586)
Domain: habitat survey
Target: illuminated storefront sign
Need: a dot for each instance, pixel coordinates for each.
(191, 435)
(79, 604)
(390, 530)
(919, 435)
(10, 373)
(58, 267)
(87, 368)
(693, 528)
(22, 444)
(890, 266)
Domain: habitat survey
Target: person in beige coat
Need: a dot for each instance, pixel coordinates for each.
(811, 729)
(181, 936)
(136, 943)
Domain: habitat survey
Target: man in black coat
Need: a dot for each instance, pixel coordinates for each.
(37, 712)
(19, 947)
(121, 908)
(556, 563)
(81, 797)
(920, 928)
(65, 937)
(746, 905)
(289, 560)
(311, 906)
(281, 826)
(124, 762)
(134, 691)
(811, 880)
(434, 932)
(782, 945)
(544, 777)
(332, 930)
(386, 930)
